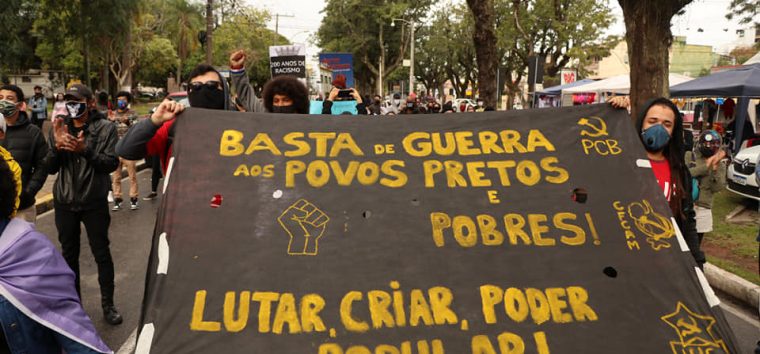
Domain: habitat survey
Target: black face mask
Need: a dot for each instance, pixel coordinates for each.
(206, 97)
(283, 109)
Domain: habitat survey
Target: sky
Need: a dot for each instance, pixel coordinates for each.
(709, 15)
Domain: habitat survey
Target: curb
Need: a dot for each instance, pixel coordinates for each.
(735, 212)
(45, 203)
(733, 285)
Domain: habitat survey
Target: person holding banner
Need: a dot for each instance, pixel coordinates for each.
(286, 94)
(206, 89)
(659, 120)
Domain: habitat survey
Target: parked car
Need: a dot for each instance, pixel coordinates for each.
(741, 177)
(180, 97)
(458, 102)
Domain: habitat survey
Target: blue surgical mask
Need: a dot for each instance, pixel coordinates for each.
(122, 105)
(655, 138)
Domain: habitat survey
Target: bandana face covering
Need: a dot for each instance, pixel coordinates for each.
(8, 108)
(206, 95)
(283, 109)
(76, 109)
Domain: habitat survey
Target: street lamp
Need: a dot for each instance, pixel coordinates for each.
(411, 49)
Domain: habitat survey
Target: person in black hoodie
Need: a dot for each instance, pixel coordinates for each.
(206, 89)
(27, 145)
(82, 153)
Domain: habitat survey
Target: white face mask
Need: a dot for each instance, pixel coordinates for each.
(3, 124)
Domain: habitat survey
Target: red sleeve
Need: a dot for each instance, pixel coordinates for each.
(158, 144)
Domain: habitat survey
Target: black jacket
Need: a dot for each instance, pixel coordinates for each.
(27, 145)
(83, 179)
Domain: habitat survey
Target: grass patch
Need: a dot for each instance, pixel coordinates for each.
(144, 108)
(732, 246)
(735, 269)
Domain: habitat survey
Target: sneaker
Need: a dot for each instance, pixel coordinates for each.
(112, 316)
(116, 204)
(151, 196)
(133, 204)
(110, 196)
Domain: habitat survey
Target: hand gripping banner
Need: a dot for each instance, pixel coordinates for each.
(536, 231)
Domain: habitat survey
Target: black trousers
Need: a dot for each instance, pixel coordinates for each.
(96, 222)
(36, 121)
(155, 163)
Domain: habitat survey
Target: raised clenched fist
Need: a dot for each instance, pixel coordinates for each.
(305, 224)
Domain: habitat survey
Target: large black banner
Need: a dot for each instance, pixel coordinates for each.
(536, 231)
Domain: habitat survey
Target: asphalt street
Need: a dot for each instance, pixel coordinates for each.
(130, 236)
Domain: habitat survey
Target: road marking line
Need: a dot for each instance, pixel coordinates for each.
(146, 339)
(726, 306)
(129, 345)
(163, 254)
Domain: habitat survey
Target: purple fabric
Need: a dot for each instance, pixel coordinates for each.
(35, 278)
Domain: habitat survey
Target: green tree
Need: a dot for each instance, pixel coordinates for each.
(432, 57)
(745, 10)
(180, 21)
(16, 22)
(156, 63)
(484, 37)
(461, 67)
(365, 31)
(559, 31)
(647, 24)
(82, 24)
(247, 30)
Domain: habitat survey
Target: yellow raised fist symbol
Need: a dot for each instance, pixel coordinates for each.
(305, 224)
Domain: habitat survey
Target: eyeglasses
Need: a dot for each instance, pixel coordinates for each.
(212, 85)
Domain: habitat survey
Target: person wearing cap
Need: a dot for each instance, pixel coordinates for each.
(27, 144)
(82, 153)
(38, 104)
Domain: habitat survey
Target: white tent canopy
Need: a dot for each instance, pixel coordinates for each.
(620, 84)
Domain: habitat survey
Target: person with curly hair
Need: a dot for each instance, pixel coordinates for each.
(286, 94)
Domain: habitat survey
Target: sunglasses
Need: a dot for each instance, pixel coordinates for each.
(212, 85)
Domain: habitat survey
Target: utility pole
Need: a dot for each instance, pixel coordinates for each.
(411, 57)
(277, 27)
(411, 49)
(209, 31)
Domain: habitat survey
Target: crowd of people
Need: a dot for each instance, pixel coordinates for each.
(91, 140)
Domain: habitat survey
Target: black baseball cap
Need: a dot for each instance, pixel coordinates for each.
(78, 92)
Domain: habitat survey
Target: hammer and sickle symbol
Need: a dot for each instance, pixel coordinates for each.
(595, 130)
